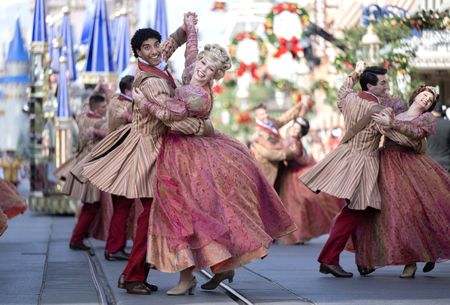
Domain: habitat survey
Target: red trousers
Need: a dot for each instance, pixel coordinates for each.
(87, 215)
(345, 225)
(137, 269)
(117, 237)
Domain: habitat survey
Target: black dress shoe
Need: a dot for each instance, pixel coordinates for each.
(137, 288)
(121, 284)
(120, 255)
(335, 270)
(82, 247)
(79, 247)
(363, 271)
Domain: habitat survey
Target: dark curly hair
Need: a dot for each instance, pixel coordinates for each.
(142, 35)
(369, 76)
(421, 89)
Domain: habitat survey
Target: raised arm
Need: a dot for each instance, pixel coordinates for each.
(191, 52)
(290, 114)
(346, 92)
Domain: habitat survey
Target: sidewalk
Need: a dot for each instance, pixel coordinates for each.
(37, 267)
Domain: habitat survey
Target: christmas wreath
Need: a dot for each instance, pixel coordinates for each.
(250, 67)
(284, 45)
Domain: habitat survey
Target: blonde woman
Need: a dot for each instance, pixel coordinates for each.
(213, 206)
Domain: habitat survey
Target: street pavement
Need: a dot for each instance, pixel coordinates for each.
(37, 267)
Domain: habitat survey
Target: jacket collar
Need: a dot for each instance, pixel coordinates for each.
(145, 67)
(368, 96)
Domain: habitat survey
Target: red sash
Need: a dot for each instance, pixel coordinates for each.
(268, 130)
(93, 115)
(155, 71)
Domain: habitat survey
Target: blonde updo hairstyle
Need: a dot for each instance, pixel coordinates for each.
(219, 55)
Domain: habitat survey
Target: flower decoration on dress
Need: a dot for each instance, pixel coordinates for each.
(248, 67)
(282, 44)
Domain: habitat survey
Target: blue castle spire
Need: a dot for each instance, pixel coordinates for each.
(39, 26)
(67, 37)
(161, 19)
(99, 57)
(122, 51)
(16, 51)
(88, 22)
(63, 110)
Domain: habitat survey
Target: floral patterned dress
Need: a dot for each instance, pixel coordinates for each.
(213, 206)
(414, 222)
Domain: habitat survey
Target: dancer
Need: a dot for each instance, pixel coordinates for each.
(119, 114)
(11, 203)
(266, 141)
(312, 213)
(213, 206)
(414, 223)
(351, 170)
(123, 164)
(92, 126)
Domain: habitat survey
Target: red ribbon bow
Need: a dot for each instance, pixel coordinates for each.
(243, 67)
(288, 46)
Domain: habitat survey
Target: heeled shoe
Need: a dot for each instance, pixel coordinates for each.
(364, 271)
(409, 271)
(215, 281)
(183, 287)
(428, 267)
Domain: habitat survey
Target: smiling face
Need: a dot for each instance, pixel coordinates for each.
(150, 51)
(423, 100)
(204, 71)
(262, 115)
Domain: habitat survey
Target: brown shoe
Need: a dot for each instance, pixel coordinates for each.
(137, 288)
(121, 284)
(120, 255)
(335, 270)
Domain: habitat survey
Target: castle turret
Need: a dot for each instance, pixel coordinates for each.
(99, 60)
(13, 85)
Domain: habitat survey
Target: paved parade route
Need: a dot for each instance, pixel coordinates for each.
(37, 267)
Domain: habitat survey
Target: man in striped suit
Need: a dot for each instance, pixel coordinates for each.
(351, 170)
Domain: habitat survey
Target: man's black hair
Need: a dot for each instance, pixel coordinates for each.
(126, 83)
(142, 35)
(369, 76)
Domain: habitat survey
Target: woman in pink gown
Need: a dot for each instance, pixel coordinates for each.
(213, 207)
(312, 213)
(11, 203)
(414, 222)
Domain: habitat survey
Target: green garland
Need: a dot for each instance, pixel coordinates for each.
(252, 36)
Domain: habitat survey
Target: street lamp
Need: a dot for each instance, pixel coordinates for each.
(370, 43)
